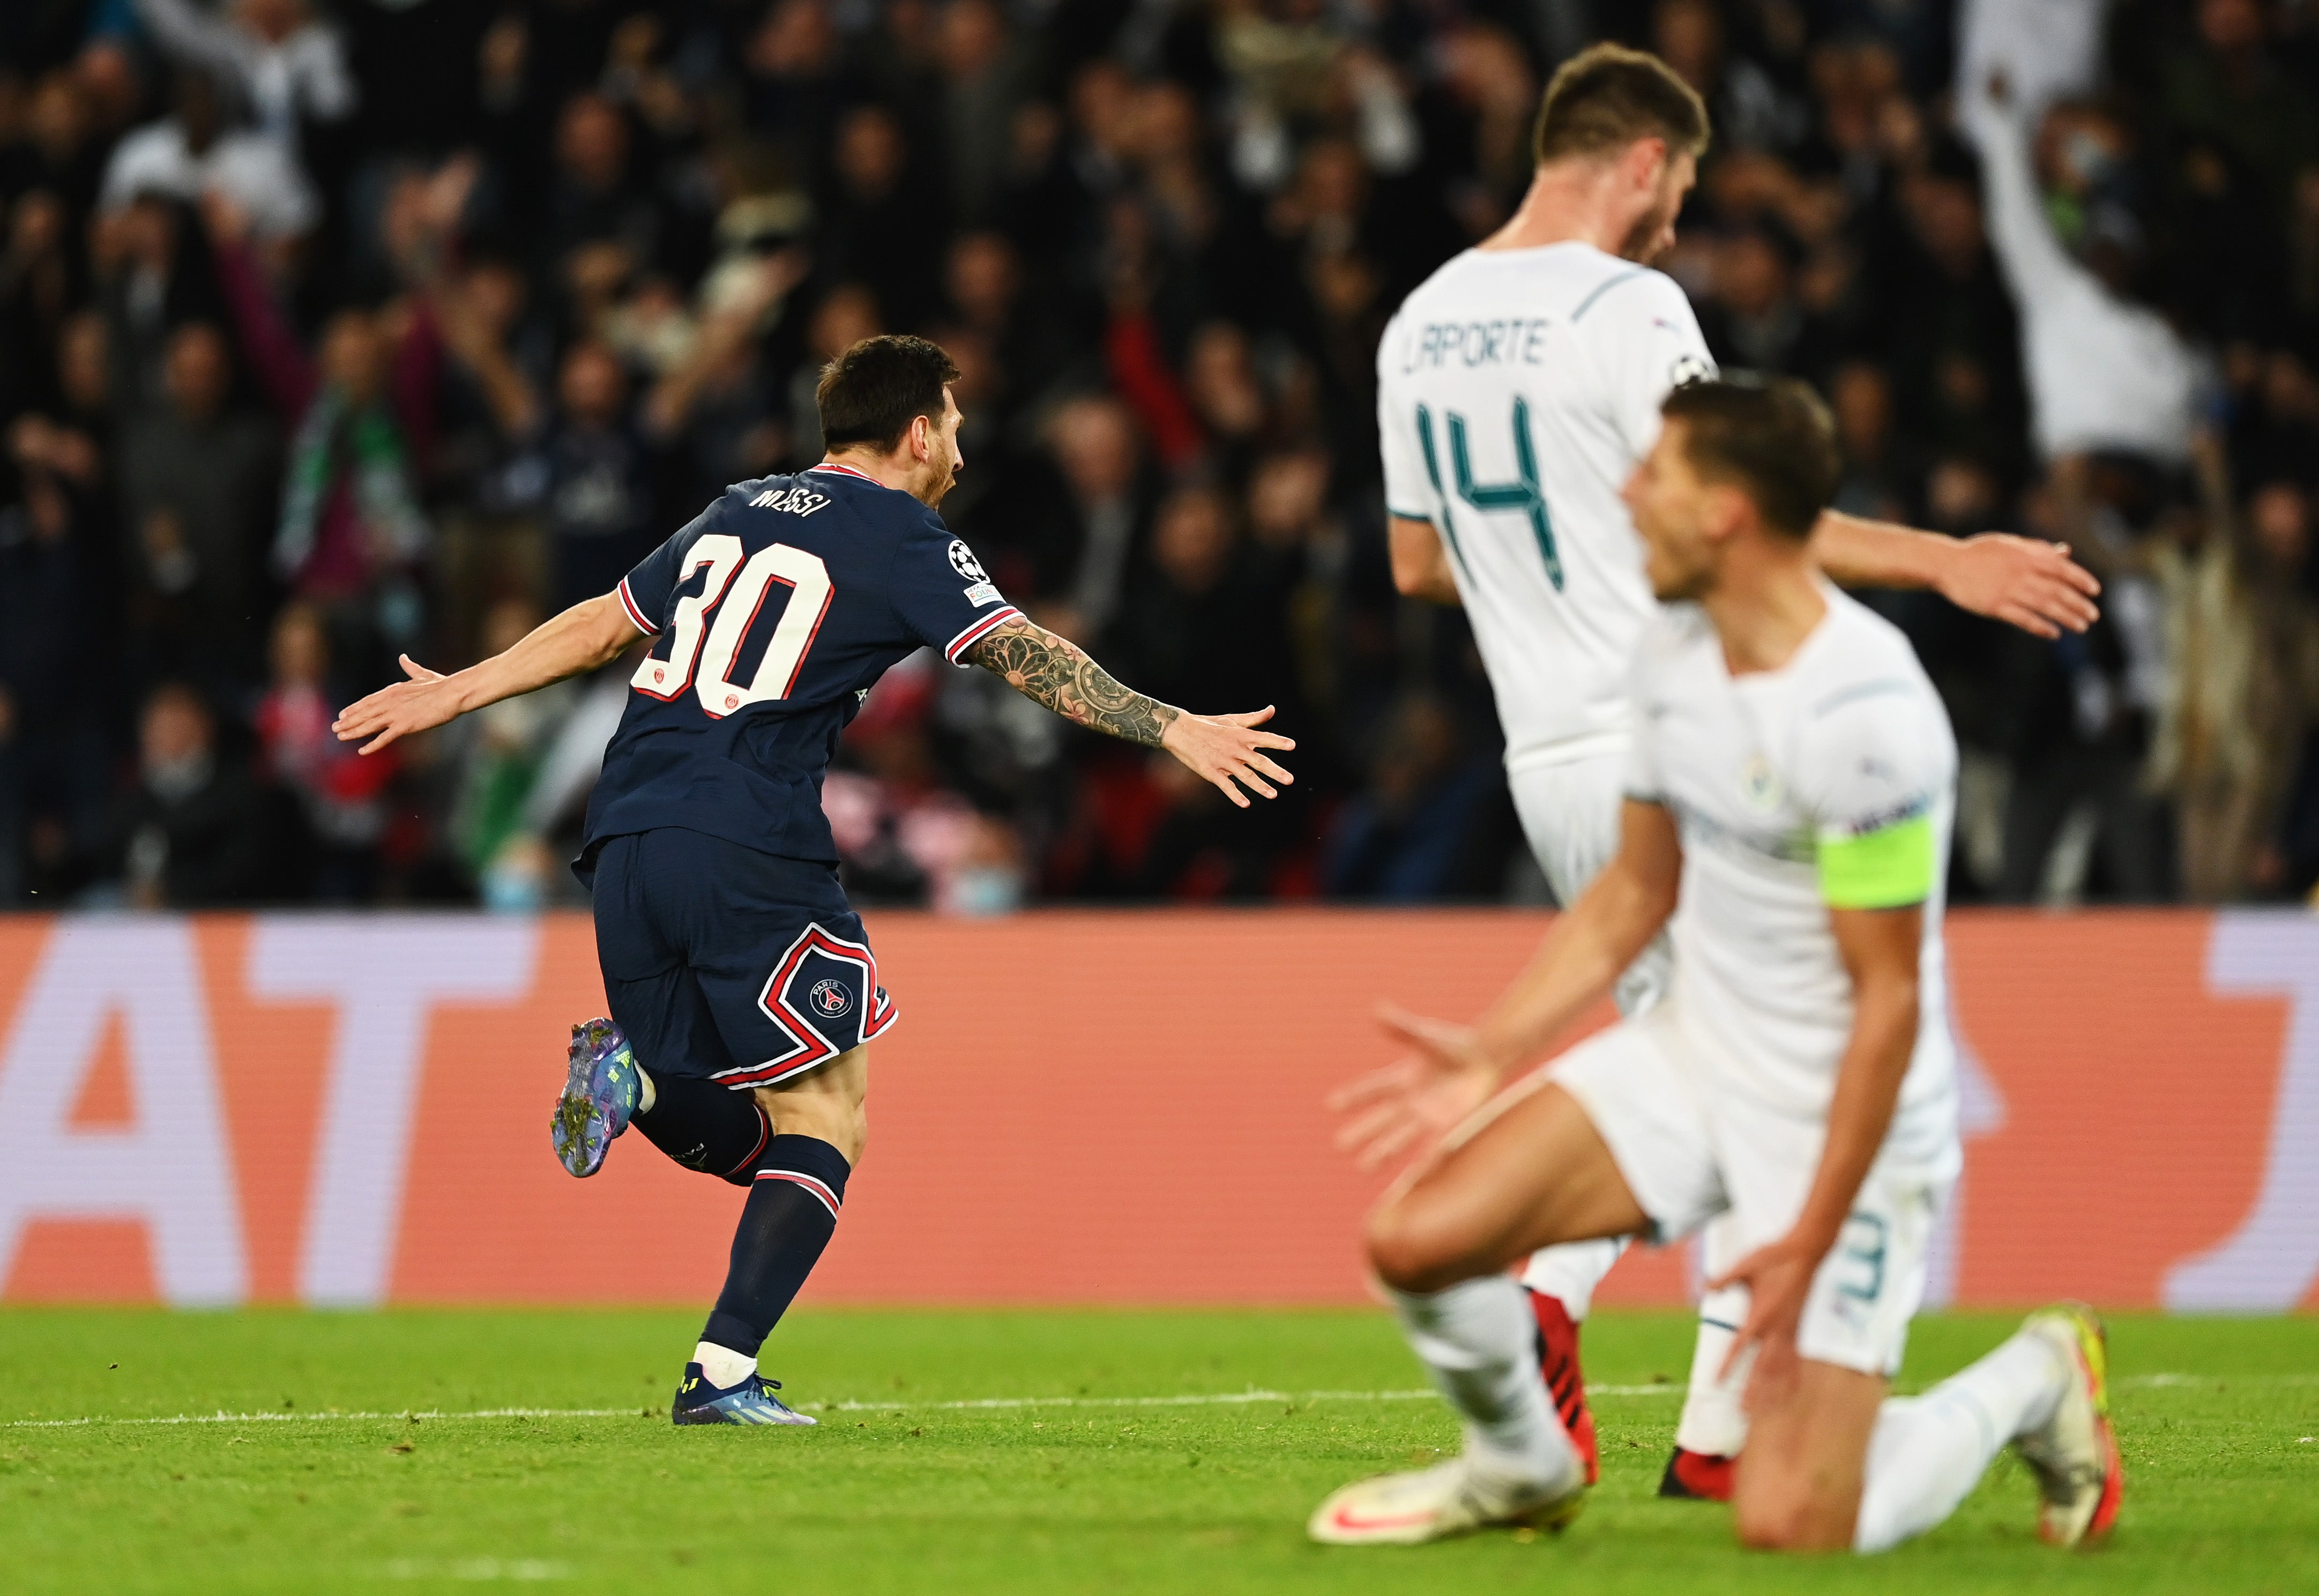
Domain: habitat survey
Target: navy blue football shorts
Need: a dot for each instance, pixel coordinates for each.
(726, 964)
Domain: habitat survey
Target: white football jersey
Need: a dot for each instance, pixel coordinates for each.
(1830, 782)
(1517, 389)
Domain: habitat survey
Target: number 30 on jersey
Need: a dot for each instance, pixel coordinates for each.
(707, 648)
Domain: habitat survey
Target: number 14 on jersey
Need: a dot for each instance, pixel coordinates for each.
(1525, 493)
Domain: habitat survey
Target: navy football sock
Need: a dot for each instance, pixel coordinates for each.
(789, 1217)
(706, 1127)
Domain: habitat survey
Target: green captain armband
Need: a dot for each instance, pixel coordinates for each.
(1889, 868)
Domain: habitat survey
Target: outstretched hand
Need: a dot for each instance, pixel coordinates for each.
(1227, 751)
(2025, 582)
(1422, 1095)
(417, 705)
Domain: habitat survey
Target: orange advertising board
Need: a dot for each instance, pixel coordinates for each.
(1075, 1108)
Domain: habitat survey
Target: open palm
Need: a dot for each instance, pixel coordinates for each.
(1418, 1098)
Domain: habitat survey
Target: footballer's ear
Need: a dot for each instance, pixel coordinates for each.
(922, 438)
(1724, 510)
(1646, 162)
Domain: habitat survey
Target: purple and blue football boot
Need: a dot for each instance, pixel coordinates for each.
(601, 1092)
(751, 1402)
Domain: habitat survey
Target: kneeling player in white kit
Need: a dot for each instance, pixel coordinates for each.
(1517, 389)
(1789, 791)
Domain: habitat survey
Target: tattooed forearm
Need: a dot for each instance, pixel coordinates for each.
(1057, 673)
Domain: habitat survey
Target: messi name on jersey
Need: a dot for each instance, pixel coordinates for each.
(793, 501)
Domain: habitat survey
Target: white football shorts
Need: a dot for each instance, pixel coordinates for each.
(1692, 1148)
(1569, 814)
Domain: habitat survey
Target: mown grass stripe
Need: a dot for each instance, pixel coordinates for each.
(1205, 1399)
(882, 1405)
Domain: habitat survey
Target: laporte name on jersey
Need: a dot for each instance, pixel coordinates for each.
(1479, 343)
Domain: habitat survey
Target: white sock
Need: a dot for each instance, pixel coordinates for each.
(1927, 1452)
(724, 1368)
(645, 1095)
(1571, 1272)
(1714, 1423)
(1480, 1343)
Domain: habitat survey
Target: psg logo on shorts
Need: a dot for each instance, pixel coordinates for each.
(830, 999)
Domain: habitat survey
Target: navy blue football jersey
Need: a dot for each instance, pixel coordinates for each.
(772, 613)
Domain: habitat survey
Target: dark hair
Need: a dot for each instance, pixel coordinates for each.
(871, 394)
(1606, 97)
(1769, 437)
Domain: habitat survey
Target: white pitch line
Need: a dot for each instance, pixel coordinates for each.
(1195, 1400)
(997, 1404)
(976, 1404)
(1201, 1400)
(323, 1417)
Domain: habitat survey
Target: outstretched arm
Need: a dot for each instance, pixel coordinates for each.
(1450, 1070)
(590, 633)
(1222, 749)
(2035, 586)
(2031, 258)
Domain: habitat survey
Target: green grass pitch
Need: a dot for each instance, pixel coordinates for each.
(898, 1491)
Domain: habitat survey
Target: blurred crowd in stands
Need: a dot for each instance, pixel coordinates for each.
(335, 331)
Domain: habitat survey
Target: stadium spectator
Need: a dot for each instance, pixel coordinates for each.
(595, 195)
(502, 751)
(879, 210)
(984, 75)
(2106, 373)
(190, 152)
(41, 279)
(2242, 704)
(352, 532)
(287, 66)
(521, 283)
(1883, 479)
(591, 477)
(195, 829)
(1406, 837)
(847, 314)
(2233, 87)
(2075, 717)
(198, 477)
(338, 792)
(148, 279)
(1109, 497)
(58, 147)
(53, 573)
(1211, 608)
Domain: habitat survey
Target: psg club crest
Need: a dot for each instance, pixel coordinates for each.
(823, 995)
(962, 561)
